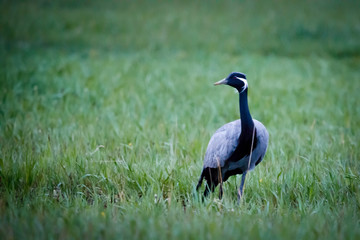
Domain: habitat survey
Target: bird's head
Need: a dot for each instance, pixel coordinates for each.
(236, 80)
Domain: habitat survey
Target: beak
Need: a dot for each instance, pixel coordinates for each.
(222, 81)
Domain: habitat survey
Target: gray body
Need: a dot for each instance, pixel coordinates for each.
(220, 150)
(224, 142)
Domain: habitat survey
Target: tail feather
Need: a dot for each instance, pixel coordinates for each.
(200, 180)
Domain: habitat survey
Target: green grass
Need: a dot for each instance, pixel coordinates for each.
(106, 110)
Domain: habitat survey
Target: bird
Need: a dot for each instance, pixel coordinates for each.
(236, 147)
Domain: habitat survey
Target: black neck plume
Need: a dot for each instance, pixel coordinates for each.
(247, 128)
(247, 124)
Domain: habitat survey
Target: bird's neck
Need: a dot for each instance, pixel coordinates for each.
(247, 123)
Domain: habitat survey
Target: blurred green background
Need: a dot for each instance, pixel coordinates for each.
(106, 109)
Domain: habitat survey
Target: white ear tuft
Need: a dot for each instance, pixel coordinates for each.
(245, 83)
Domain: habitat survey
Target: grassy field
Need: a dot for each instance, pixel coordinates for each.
(106, 109)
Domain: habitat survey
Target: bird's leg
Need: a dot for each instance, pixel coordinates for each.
(240, 191)
(207, 190)
(221, 190)
(213, 186)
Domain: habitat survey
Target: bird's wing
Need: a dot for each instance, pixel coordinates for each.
(222, 144)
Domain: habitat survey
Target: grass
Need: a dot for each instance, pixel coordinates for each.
(106, 110)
